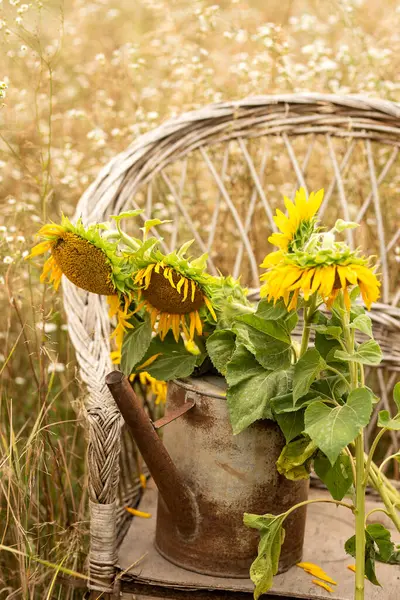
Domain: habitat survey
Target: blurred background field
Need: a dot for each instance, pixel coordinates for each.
(82, 80)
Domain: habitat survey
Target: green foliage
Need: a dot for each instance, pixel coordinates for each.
(270, 311)
(305, 371)
(291, 423)
(338, 478)
(251, 388)
(135, 345)
(220, 347)
(333, 428)
(267, 340)
(378, 546)
(294, 461)
(384, 420)
(368, 353)
(174, 360)
(396, 395)
(362, 323)
(266, 564)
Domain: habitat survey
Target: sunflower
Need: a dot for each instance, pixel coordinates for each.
(158, 388)
(325, 271)
(119, 307)
(174, 291)
(83, 255)
(298, 225)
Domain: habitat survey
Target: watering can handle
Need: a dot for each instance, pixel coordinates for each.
(174, 414)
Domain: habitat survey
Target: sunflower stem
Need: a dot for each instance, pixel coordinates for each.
(360, 481)
(308, 315)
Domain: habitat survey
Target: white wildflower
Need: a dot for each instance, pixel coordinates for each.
(56, 367)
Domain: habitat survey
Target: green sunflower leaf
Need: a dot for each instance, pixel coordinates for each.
(271, 328)
(135, 345)
(220, 347)
(368, 353)
(251, 388)
(306, 370)
(363, 323)
(396, 395)
(128, 214)
(294, 461)
(267, 340)
(174, 360)
(173, 366)
(331, 331)
(384, 420)
(152, 223)
(269, 311)
(378, 546)
(266, 564)
(338, 478)
(332, 429)
(290, 423)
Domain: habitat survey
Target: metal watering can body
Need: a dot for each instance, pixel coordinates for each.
(207, 479)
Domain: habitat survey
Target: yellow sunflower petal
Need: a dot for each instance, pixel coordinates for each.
(301, 204)
(327, 281)
(325, 586)
(113, 304)
(314, 203)
(40, 248)
(149, 361)
(184, 327)
(185, 290)
(282, 222)
(280, 240)
(180, 284)
(170, 279)
(192, 326)
(352, 568)
(272, 259)
(316, 571)
(210, 307)
(293, 212)
(199, 325)
(175, 327)
(138, 513)
(293, 302)
(51, 229)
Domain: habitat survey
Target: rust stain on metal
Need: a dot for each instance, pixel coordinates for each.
(170, 482)
(229, 475)
(174, 414)
(232, 471)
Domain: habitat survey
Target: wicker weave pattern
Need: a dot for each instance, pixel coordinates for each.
(155, 167)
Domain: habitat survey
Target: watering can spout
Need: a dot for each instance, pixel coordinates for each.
(175, 493)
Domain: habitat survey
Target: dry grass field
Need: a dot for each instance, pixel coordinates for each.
(81, 80)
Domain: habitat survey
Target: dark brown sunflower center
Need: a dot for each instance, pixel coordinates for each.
(165, 298)
(83, 263)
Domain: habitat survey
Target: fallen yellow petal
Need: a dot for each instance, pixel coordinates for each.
(138, 513)
(323, 585)
(316, 571)
(143, 480)
(352, 568)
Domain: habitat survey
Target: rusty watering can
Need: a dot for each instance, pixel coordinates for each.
(207, 478)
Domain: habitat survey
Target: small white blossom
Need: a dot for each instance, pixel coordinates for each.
(8, 260)
(56, 367)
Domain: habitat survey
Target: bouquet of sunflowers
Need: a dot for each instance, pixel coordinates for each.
(172, 319)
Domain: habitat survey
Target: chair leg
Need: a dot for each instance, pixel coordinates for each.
(105, 424)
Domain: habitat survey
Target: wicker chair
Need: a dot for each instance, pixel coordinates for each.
(218, 173)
